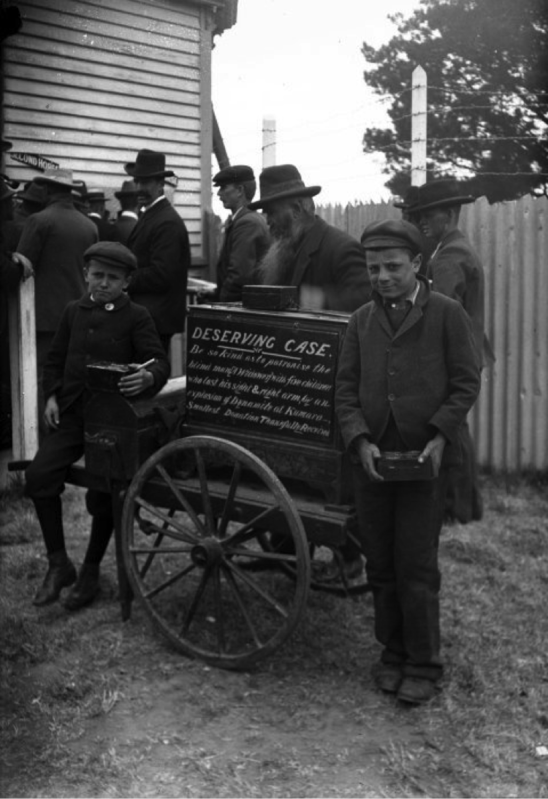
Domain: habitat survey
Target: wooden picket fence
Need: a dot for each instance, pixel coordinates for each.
(510, 420)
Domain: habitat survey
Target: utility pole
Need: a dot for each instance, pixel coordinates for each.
(269, 141)
(418, 127)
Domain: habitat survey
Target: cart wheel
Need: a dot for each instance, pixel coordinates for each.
(318, 556)
(191, 527)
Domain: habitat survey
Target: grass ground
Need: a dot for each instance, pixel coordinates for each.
(95, 707)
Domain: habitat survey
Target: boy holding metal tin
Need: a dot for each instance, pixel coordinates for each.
(408, 375)
(104, 325)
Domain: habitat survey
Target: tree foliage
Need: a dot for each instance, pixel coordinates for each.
(487, 74)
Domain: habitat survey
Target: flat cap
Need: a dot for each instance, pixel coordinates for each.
(391, 233)
(233, 174)
(112, 253)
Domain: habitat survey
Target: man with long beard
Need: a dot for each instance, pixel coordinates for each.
(329, 268)
(327, 264)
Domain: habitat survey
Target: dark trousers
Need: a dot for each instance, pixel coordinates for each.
(463, 500)
(399, 526)
(45, 482)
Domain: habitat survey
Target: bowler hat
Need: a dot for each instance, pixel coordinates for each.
(440, 193)
(233, 174)
(128, 189)
(391, 233)
(149, 164)
(61, 178)
(112, 253)
(33, 193)
(95, 195)
(281, 183)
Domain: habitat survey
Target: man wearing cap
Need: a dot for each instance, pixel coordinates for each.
(456, 271)
(246, 237)
(54, 240)
(160, 243)
(408, 375)
(104, 325)
(128, 214)
(326, 263)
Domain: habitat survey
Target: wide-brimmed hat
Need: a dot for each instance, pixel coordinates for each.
(56, 177)
(391, 233)
(128, 189)
(149, 164)
(239, 173)
(281, 183)
(33, 193)
(440, 193)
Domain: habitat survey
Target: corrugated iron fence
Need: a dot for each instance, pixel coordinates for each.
(510, 420)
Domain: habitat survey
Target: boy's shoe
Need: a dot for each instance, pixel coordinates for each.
(86, 588)
(388, 678)
(417, 690)
(60, 574)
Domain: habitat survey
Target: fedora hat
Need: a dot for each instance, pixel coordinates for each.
(149, 164)
(128, 189)
(56, 177)
(33, 193)
(281, 183)
(440, 193)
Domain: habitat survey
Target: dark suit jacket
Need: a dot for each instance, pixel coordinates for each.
(456, 271)
(105, 229)
(426, 374)
(160, 243)
(333, 261)
(246, 241)
(55, 240)
(123, 226)
(88, 332)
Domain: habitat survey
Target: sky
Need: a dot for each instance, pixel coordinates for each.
(299, 62)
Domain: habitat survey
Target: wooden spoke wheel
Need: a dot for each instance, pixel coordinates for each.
(192, 524)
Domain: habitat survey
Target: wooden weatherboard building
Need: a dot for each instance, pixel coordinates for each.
(88, 83)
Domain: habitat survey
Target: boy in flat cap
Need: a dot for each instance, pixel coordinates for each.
(408, 375)
(246, 236)
(104, 325)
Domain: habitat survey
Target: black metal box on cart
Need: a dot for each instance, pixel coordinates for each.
(120, 433)
(266, 380)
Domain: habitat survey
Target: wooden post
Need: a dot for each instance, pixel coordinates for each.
(269, 142)
(24, 386)
(418, 127)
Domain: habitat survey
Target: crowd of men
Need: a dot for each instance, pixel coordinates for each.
(409, 371)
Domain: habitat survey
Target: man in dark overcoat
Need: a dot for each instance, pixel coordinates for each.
(408, 375)
(456, 271)
(246, 236)
(327, 264)
(161, 245)
(54, 240)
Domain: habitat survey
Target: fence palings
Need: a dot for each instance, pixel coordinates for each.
(510, 420)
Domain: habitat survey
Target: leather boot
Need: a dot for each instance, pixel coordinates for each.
(61, 573)
(86, 588)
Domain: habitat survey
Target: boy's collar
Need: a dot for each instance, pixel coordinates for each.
(119, 302)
